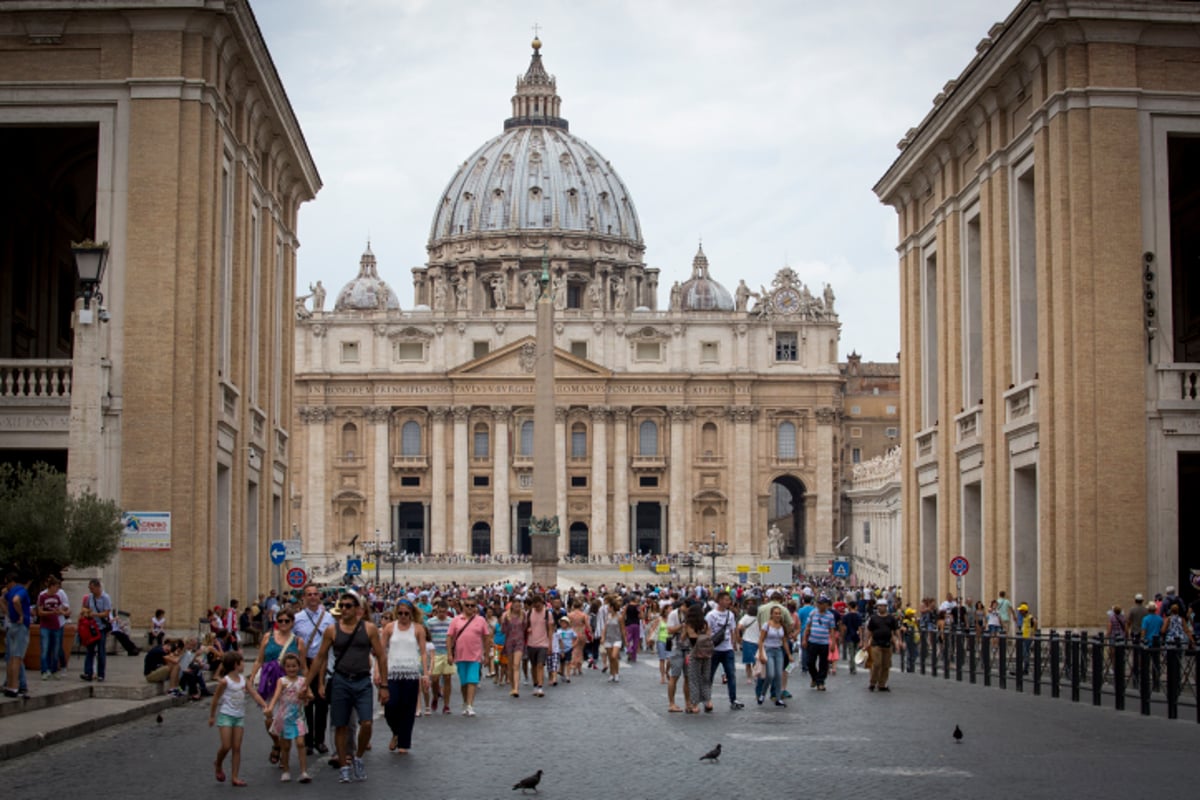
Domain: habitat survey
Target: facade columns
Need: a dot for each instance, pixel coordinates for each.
(677, 525)
(501, 532)
(315, 540)
(620, 462)
(827, 493)
(381, 504)
(598, 529)
(438, 541)
(460, 536)
(560, 477)
(742, 495)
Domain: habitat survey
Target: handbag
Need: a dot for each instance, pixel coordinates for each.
(719, 637)
(760, 669)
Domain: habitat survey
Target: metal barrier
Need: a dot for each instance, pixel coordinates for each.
(1166, 674)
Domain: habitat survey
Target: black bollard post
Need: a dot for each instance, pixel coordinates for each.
(933, 652)
(1173, 679)
(960, 646)
(1097, 668)
(1073, 660)
(1119, 674)
(924, 649)
(1037, 662)
(972, 646)
(946, 647)
(1143, 657)
(1003, 661)
(1021, 666)
(988, 639)
(1055, 664)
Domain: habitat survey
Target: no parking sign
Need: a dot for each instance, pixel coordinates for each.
(959, 566)
(296, 577)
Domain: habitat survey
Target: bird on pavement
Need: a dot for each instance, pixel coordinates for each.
(158, 719)
(713, 755)
(958, 734)
(529, 783)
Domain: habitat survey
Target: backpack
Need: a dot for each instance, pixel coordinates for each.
(89, 631)
(703, 648)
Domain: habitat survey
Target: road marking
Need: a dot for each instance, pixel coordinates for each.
(767, 737)
(921, 772)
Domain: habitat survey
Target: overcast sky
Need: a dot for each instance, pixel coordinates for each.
(757, 126)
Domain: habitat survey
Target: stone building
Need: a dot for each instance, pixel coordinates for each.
(874, 519)
(1048, 208)
(161, 128)
(706, 420)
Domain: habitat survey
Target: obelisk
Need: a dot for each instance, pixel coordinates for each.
(543, 523)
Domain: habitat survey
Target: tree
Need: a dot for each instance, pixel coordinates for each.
(44, 530)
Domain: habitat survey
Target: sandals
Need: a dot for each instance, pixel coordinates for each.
(393, 744)
(693, 709)
(708, 707)
(239, 782)
(219, 775)
(274, 757)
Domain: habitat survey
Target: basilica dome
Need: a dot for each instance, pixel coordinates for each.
(536, 176)
(367, 292)
(702, 293)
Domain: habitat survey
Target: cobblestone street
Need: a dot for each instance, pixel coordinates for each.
(597, 739)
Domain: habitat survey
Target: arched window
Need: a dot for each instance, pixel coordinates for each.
(579, 440)
(410, 439)
(349, 524)
(349, 440)
(526, 438)
(786, 446)
(708, 440)
(481, 440)
(578, 542)
(648, 438)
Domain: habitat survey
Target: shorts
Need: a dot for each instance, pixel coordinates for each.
(536, 656)
(345, 695)
(16, 641)
(468, 672)
(676, 663)
(749, 652)
(227, 721)
(663, 652)
(159, 674)
(552, 662)
(441, 666)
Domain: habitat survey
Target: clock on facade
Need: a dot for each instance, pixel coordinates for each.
(787, 301)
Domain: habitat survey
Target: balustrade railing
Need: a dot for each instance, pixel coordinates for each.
(38, 379)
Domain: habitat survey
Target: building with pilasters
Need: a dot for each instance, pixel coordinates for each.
(708, 420)
(1049, 216)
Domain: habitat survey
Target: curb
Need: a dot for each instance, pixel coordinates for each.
(40, 739)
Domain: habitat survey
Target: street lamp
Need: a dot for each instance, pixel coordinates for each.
(712, 549)
(90, 260)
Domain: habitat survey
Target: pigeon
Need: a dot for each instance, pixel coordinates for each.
(529, 783)
(958, 734)
(158, 719)
(713, 755)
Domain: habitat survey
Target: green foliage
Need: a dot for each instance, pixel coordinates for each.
(43, 530)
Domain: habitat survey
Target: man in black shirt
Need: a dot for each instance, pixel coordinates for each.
(884, 631)
(162, 664)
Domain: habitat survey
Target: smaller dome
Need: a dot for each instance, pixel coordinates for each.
(367, 292)
(702, 293)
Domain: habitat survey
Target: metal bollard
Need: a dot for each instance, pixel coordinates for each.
(972, 646)
(946, 657)
(924, 649)
(959, 651)
(1119, 674)
(1055, 664)
(933, 652)
(1073, 660)
(1021, 666)
(1173, 680)
(1037, 662)
(987, 658)
(1097, 669)
(1003, 663)
(1143, 657)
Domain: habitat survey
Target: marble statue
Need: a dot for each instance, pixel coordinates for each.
(318, 296)
(774, 542)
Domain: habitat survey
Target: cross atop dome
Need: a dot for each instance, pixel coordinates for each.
(536, 101)
(700, 264)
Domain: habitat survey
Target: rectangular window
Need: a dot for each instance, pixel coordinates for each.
(708, 353)
(574, 295)
(579, 444)
(479, 349)
(786, 348)
(579, 481)
(410, 351)
(481, 443)
(891, 433)
(866, 532)
(856, 433)
(255, 299)
(648, 351)
(856, 455)
(1025, 298)
(855, 410)
(480, 480)
(972, 303)
(349, 352)
(525, 481)
(648, 481)
(891, 410)
(410, 480)
(929, 343)
(579, 349)
(225, 276)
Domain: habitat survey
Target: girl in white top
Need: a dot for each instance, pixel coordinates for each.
(157, 625)
(409, 662)
(228, 713)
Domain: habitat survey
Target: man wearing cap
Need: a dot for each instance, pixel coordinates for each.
(815, 640)
(884, 631)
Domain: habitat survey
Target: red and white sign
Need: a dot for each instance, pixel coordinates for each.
(296, 577)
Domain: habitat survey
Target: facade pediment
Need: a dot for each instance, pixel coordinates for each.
(517, 360)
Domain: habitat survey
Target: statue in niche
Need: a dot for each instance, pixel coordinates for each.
(620, 292)
(676, 297)
(439, 294)
(499, 293)
(461, 297)
(560, 293)
(529, 290)
(742, 296)
(596, 293)
(774, 542)
(828, 299)
(318, 296)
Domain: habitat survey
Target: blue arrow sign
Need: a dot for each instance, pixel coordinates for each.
(841, 569)
(278, 552)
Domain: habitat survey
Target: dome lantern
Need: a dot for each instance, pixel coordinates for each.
(536, 101)
(702, 293)
(367, 292)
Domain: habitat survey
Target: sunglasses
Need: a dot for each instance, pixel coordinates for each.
(347, 605)
(283, 620)
(403, 613)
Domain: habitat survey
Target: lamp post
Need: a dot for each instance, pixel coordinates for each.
(712, 549)
(84, 434)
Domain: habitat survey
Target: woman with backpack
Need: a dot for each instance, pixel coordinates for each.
(698, 661)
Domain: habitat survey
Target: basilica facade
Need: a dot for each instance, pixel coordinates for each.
(705, 421)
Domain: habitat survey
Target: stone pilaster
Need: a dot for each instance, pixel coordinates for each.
(381, 506)
(501, 532)
(820, 541)
(741, 435)
(599, 526)
(620, 519)
(560, 474)
(315, 539)
(460, 533)
(439, 542)
(678, 472)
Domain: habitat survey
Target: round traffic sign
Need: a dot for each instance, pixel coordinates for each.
(278, 552)
(296, 577)
(959, 566)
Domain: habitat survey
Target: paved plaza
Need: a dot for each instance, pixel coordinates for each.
(596, 739)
